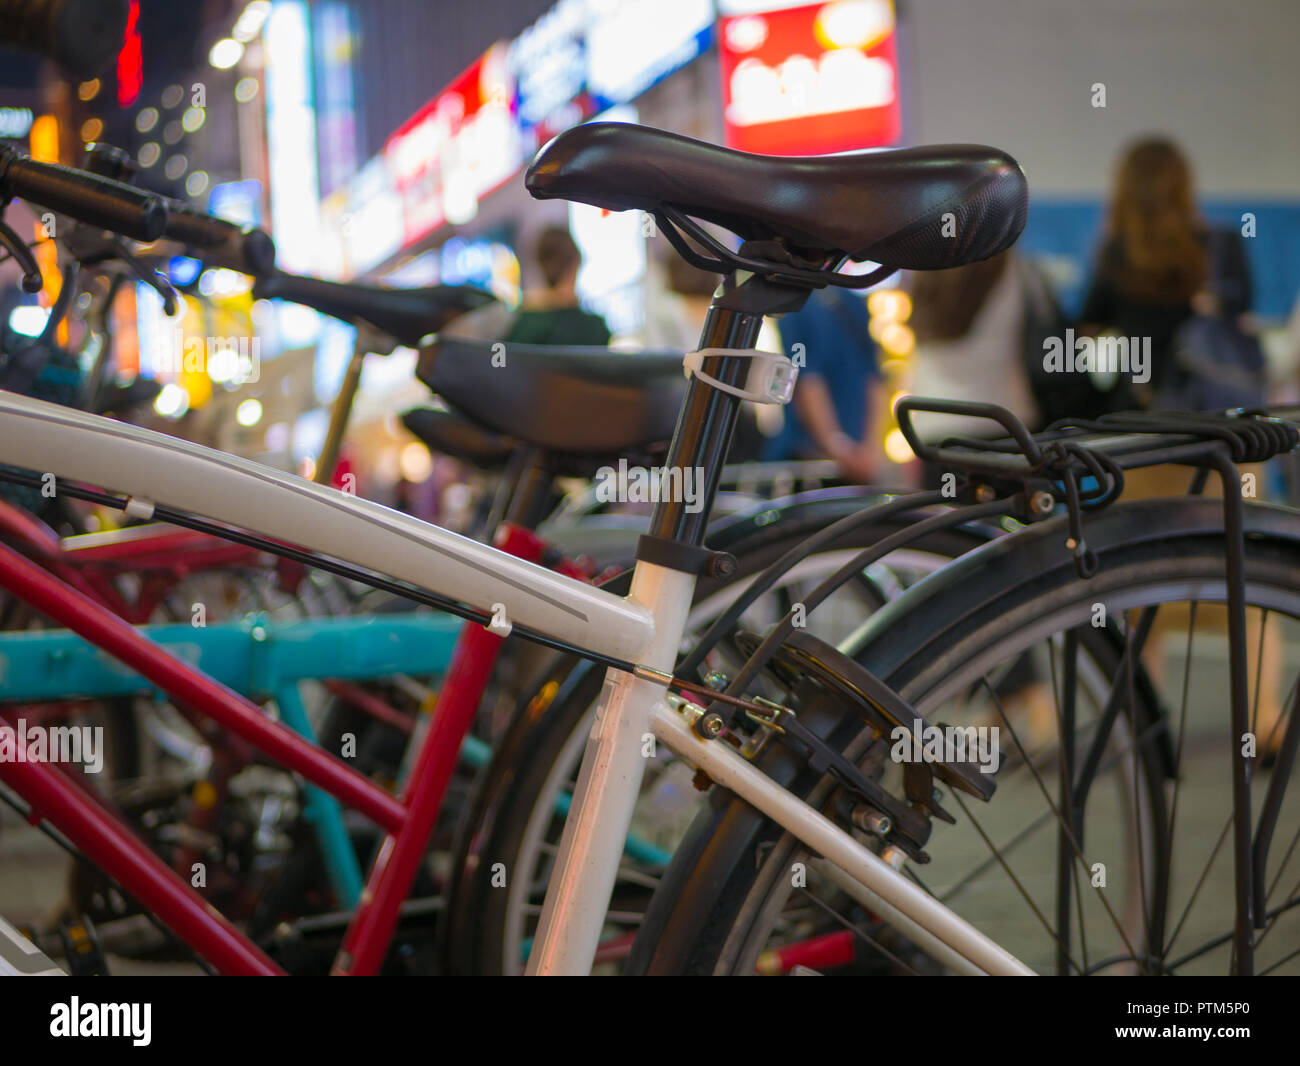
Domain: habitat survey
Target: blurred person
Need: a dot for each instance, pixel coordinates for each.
(679, 310)
(1160, 265)
(670, 319)
(1164, 273)
(978, 330)
(979, 336)
(552, 315)
(839, 400)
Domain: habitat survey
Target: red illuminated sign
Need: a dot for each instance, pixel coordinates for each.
(456, 149)
(130, 66)
(810, 80)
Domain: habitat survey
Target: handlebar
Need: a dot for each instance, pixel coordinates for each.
(109, 204)
(220, 243)
(86, 197)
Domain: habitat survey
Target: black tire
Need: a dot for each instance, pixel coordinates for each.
(989, 603)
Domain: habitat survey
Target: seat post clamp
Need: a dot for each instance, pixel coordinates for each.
(771, 374)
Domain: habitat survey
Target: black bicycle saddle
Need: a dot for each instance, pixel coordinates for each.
(908, 208)
(450, 433)
(566, 400)
(406, 314)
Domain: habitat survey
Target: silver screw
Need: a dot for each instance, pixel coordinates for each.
(1041, 503)
(710, 726)
(870, 820)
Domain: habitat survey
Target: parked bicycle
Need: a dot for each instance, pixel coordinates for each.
(816, 818)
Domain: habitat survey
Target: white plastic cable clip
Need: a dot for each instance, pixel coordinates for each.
(138, 508)
(771, 374)
(499, 623)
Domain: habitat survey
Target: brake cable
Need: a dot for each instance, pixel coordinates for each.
(19, 250)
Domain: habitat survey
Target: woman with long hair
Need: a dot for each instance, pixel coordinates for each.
(1157, 263)
(1161, 264)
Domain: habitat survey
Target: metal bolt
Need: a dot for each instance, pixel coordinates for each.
(1042, 502)
(709, 726)
(870, 820)
(722, 564)
(717, 681)
(895, 856)
(984, 493)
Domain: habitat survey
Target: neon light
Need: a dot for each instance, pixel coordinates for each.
(291, 137)
(130, 60)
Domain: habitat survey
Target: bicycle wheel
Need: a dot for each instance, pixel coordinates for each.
(514, 827)
(728, 904)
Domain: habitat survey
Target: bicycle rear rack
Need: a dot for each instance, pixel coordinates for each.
(1073, 450)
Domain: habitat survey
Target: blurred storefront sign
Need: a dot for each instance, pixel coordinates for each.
(579, 59)
(334, 39)
(613, 262)
(291, 162)
(372, 224)
(456, 149)
(809, 79)
(291, 136)
(130, 61)
(613, 246)
(633, 45)
(548, 62)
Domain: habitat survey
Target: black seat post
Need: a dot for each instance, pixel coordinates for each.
(704, 428)
(531, 497)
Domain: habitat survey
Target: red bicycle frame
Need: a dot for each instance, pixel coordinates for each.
(407, 821)
(160, 555)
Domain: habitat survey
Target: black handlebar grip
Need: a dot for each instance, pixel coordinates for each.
(109, 162)
(221, 243)
(88, 198)
(83, 35)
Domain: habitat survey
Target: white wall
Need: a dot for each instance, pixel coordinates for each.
(1221, 76)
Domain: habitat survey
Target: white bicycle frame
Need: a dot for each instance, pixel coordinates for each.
(646, 629)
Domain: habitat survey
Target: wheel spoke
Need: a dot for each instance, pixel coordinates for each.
(1078, 851)
(852, 927)
(1285, 860)
(1200, 881)
(1024, 894)
(1182, 737)
(1130, 657)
